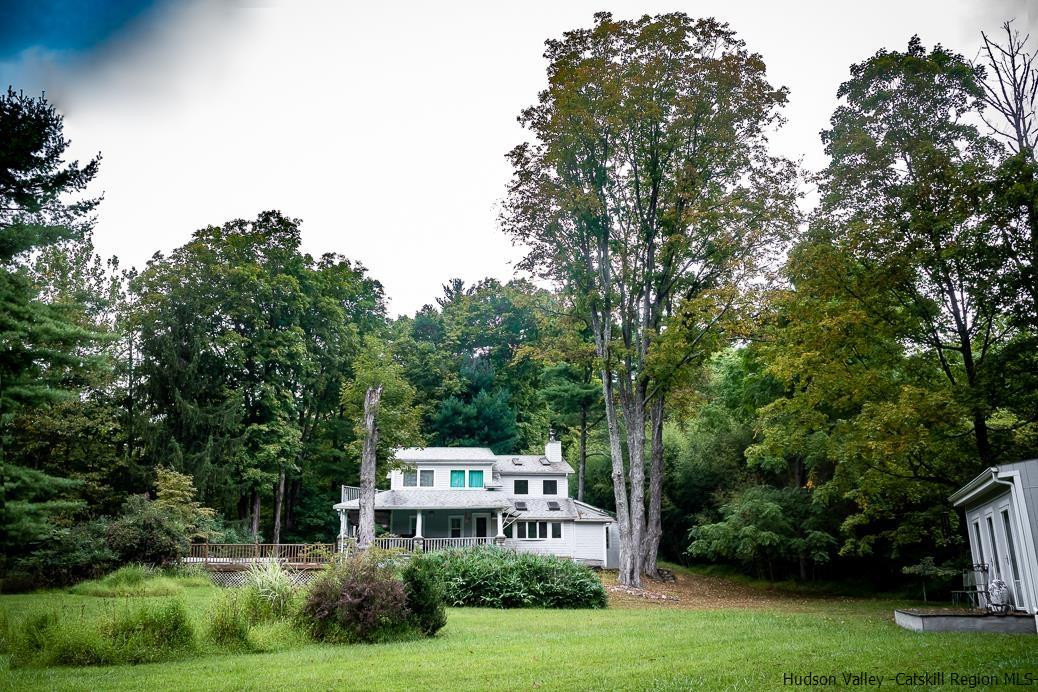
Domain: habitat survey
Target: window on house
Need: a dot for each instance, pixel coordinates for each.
(980, 544)
(607, 537)
(996, 565)
(551, 487)
(427, 478)
(475, 479)
(522, 487)
(553, 506)
(457, 478)
(455, 526)
(556, 529)
(508, 531)
(521, 506)
(410, 479)
(520, 529)
(544, 529)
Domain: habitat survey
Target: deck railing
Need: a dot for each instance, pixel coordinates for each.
(315, 553)
(294, 553)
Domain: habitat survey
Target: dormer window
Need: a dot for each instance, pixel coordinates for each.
(410, 479)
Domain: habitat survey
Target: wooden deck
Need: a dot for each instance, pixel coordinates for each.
(231, 557)
(237, 557)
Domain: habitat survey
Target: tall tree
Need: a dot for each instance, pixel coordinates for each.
(649, 183)
(899, 198)
(43, 344)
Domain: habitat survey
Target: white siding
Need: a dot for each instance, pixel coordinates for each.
(536, 484)
(562, 547)
(441, 475)
(589, 541)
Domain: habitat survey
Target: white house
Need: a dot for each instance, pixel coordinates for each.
(463, 496)
(1001, 506)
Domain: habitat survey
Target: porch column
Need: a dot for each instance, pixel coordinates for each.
(342, 523)
(418, 525)
(499, 539)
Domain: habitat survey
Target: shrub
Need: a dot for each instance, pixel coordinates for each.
(423, 587)
(498, 578)
(69, 555)
(358, 600)
(137, 633)
(147, 533)
(227, 623)
(268, 591)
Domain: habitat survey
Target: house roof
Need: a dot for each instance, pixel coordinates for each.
(984, 483)
(538, 508)
(425, 498)
(506, 464)
(470, 454)
(525, 464)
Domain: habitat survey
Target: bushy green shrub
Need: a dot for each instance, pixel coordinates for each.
(69, 555)
(423, 587)
(498, 578)
(268, 591)
(139, 632)
(147, 533)
(227, 623)
(357, 600)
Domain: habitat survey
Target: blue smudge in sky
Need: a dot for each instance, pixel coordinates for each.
(66, 26)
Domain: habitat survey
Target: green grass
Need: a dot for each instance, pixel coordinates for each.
(139, 581)
(651, 647)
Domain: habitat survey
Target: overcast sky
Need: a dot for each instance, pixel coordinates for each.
(383, 126)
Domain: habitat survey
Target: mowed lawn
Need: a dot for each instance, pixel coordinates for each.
(695, 642)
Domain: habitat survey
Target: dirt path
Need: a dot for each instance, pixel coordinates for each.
(701, 592)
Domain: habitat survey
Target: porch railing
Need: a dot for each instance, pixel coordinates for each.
(409, 545)
(444, 543)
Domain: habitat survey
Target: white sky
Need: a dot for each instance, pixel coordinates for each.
(384, 126)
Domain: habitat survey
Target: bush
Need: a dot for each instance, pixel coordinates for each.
(138, 633)
(227, 623)
(358, 600)
(268, 591)
(148, 534)
(499, 578)
(68, 556)
(423, 587)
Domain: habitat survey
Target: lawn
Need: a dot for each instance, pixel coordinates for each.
(694, 642)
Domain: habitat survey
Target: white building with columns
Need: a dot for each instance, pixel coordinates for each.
(441, 497)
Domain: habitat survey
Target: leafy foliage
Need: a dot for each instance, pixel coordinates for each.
(423, 587)
(499, 578)
(148, 534)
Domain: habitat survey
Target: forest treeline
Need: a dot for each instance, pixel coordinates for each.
(792, 392)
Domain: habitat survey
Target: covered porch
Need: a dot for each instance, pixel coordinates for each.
(434, 526)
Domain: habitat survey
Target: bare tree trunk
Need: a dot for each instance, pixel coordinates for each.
(627, 572)
(582, 454)
(634, 418)
(654, 524)
(279, 501)
(255, 513)
(366, 521)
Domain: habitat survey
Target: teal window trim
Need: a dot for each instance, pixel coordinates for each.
(475, 476)
(457, 478)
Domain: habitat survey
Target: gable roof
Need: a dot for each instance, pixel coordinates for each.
(506, 464)
(445, 454)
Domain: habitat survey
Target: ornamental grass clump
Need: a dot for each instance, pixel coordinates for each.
(499, 578)
(269, 591)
